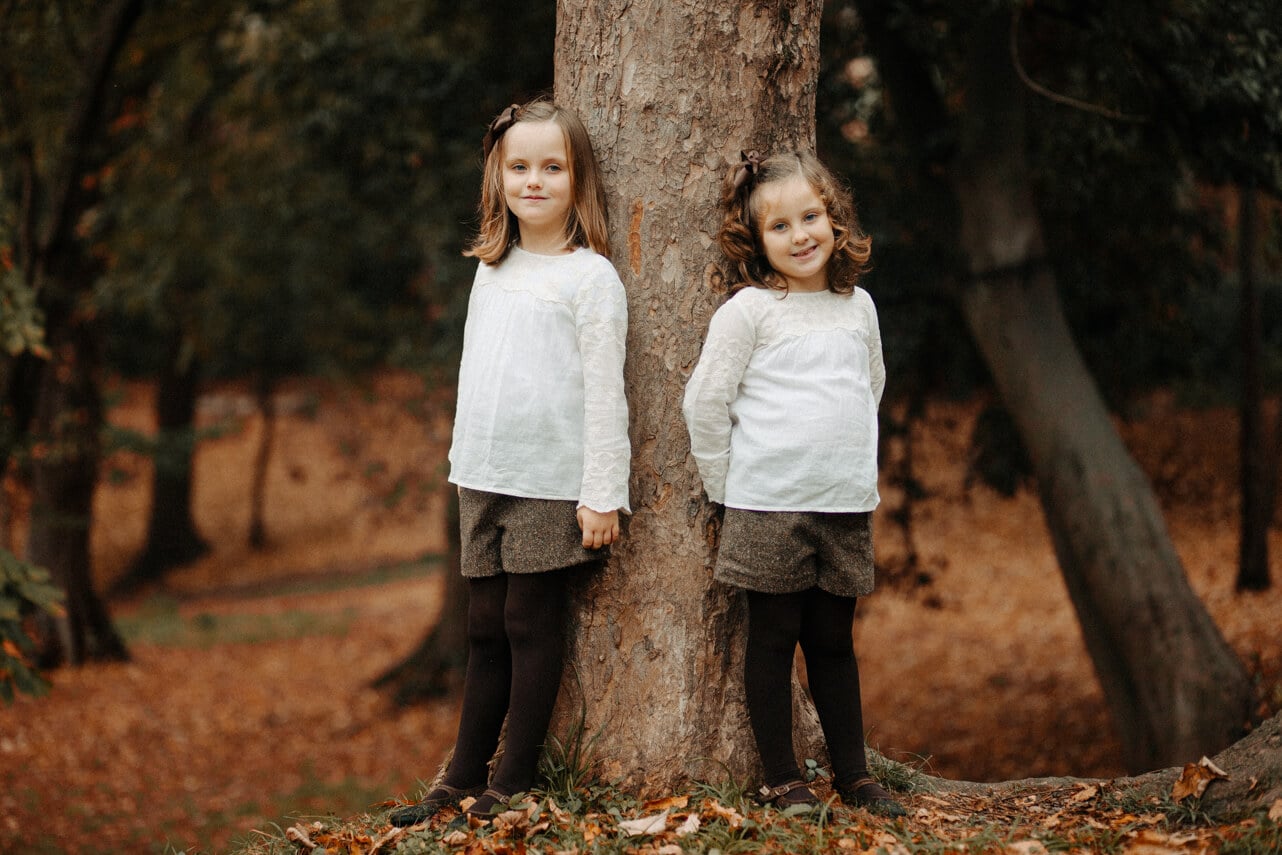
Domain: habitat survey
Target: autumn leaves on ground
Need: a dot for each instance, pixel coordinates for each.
(247, 706)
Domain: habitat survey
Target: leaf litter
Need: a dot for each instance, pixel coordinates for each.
(200, 747)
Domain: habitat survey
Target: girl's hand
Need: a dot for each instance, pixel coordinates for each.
(598, 529)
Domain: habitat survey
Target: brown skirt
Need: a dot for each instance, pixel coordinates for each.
(512, 534)
(781, 552)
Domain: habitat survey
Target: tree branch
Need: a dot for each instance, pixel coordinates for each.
(1041, 90)
(112, 32)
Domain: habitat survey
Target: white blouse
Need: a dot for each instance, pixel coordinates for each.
(782, 407)
(541, 411)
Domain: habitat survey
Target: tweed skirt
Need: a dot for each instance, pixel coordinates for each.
(513, 534)
(781, 552)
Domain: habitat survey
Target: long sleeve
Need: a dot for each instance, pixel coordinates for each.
(710, 391)
(601, 324)
(876, 363)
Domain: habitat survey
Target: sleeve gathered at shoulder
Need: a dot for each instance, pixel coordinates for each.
(713, 386)
(601, 323)
(876, 363)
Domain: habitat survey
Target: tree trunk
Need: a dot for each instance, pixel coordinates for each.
(264, 392)
(671, 93)
(1257, 472)
(436, 666)
(64, 472)
(172, 539)
(1175, 688)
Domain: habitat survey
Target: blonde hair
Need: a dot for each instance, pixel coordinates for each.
(740, 233)
(587, 222)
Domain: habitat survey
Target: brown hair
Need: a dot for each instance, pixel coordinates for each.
(740, 233)
(587, 222)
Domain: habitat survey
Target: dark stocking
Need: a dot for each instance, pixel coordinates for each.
(533, 616)
(833, 675)
(486, 683)
(774, 625)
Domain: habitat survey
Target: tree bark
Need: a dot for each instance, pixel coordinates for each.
(1175, 688)
(64, 472)
(1257, 472)
(671, 93)
(172, 538)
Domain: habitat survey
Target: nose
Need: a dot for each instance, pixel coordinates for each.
(799, 235)
(533, 178)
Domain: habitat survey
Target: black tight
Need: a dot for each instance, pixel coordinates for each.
(821, 622)
(515, 650)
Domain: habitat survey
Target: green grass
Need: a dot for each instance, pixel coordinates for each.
(161, 623)
(159, 620)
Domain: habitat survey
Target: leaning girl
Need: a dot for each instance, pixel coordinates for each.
(782, 413)
(540, 451)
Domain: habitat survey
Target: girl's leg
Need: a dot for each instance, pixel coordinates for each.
(834, 684)
(534, 619)
(486, 683)
(833, 675)
(774, 624)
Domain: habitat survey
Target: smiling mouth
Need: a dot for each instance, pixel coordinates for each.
(805, 253)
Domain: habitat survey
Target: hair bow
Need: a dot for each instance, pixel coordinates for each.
(498, 127)
(746, 172)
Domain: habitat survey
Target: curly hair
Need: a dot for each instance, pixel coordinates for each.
(740, 233)
(587, 223)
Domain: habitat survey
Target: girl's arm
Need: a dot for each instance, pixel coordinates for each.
(876, 364)
(601, 323)
(712, 388)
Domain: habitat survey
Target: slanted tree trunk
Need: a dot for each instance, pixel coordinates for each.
(64, 472)
(172, 539)
(1258, 469)
(436, 666)
(671, 93)
(1175, 688)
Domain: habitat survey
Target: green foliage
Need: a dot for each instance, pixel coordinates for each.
(24, 589)
(1134, 110)
(21, 320)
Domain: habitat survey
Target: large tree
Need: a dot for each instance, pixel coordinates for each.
(1175, 688)
(671, 93)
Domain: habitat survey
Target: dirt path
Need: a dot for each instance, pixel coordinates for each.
(243, 707)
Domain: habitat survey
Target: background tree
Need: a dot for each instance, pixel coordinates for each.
(671, 94)
(952, 82)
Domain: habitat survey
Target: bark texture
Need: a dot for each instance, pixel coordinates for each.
(64, 471)
(671, 93)
(1174, 686)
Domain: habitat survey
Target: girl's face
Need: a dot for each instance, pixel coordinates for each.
(537, 185)
(796, 234)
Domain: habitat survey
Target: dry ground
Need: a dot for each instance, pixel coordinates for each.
(248, 702)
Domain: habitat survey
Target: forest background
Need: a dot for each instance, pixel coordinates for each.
(243, 214)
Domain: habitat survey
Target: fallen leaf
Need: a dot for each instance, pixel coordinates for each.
(1275, 811)
(719, 811)
(1151, 842)
(690, 826)
(1026, 847)
(670, 849)
(456, 838)
(669, 802)
(561, 815)
(299, 836)
(1085, 794)
(1195, 778)
(645, 825)
(392, 837)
